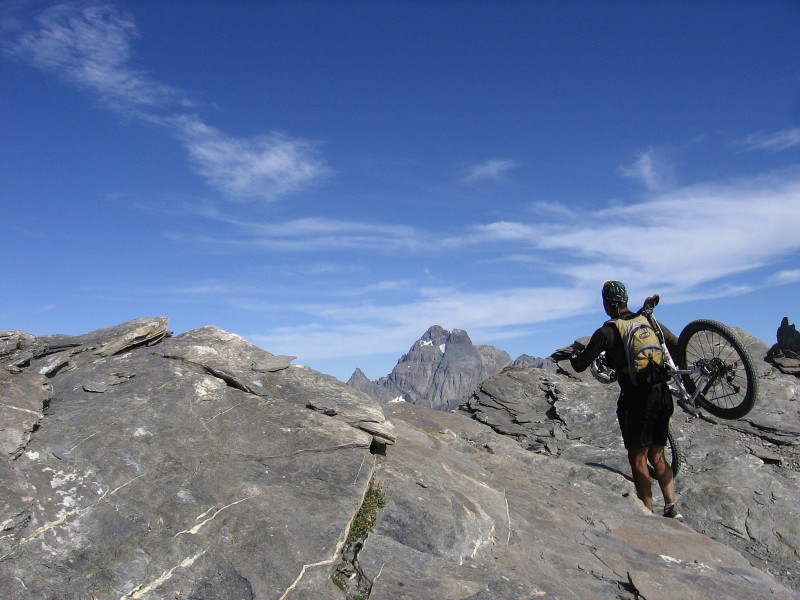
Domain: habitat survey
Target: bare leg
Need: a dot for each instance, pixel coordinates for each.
(663, 473)
(641, 475)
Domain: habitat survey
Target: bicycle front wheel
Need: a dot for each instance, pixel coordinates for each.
(722, 369)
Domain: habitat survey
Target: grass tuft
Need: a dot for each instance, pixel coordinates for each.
(364, 521)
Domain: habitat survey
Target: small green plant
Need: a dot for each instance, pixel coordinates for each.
(364, 520)
(339, 583)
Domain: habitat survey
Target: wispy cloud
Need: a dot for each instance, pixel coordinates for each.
(653, 168)
(369, 329)
(90, 47)
(785, 277)
(267, 166)
(489, 170)
(552, 209)
(684, 238)
(695, 243)
(776, 141)
(311, 234)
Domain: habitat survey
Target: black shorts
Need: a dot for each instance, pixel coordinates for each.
(643, 416)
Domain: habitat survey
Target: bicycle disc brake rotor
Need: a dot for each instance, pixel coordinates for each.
(718, 371)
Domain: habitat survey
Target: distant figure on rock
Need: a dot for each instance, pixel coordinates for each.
(785, 354)
(643, 408)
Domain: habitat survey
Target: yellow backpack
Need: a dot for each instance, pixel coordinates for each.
(643, 350)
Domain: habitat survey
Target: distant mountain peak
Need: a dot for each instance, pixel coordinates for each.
(439, 369)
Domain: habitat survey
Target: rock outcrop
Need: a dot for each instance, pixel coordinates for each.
(196, 467)
(437, 372)
(360, 382)
(785, 353)
(138, 464)
(526, 360)
(739, 480)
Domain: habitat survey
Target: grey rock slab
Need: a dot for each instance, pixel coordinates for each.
(22, 401)
(730, 468)
(273, 363)
(511, 524)
(175, 483)
(201, 466)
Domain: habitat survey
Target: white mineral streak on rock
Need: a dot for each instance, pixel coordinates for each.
(141, 590)
(204, 350)
(207, 386)
(203, 523)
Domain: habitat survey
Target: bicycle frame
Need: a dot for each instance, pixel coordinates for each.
(686, 400)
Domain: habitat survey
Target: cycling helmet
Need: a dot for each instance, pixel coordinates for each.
(614, 292)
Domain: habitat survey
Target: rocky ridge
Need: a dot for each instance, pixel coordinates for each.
(739, 480)
(142, 465)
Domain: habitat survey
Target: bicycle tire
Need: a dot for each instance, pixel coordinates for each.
(675, 451)
(733, 388)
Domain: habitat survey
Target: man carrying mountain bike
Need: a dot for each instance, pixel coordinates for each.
(645, 404)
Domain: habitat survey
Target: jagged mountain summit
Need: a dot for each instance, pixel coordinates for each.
(139, 465)
(438, 371)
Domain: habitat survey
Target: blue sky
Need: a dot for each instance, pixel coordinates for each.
(329, 179)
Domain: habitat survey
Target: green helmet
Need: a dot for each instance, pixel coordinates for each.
(614, 292)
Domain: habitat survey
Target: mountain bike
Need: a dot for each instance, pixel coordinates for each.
(713, 371)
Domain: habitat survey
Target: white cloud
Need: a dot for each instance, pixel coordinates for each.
(776, 141)
(310, 234)
(490, 169)
(785, 277)
(684, 239)
(696, 243)
(505, 231)
(652, 168)
(90, 47)
(266, 167)
(345, 329)
(552, 209)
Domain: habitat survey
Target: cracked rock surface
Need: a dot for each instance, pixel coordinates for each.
(141, 465)
(473, 515)
(739, 481)
(171, 467)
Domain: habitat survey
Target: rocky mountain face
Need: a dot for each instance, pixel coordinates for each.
(526, 360)
(141, 465)
(739, 479)
(439, 369)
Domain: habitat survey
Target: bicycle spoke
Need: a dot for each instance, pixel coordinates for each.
(707, 345)
(723, 372)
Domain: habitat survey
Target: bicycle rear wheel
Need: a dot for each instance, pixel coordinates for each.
(674, 452)
(722, 367)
